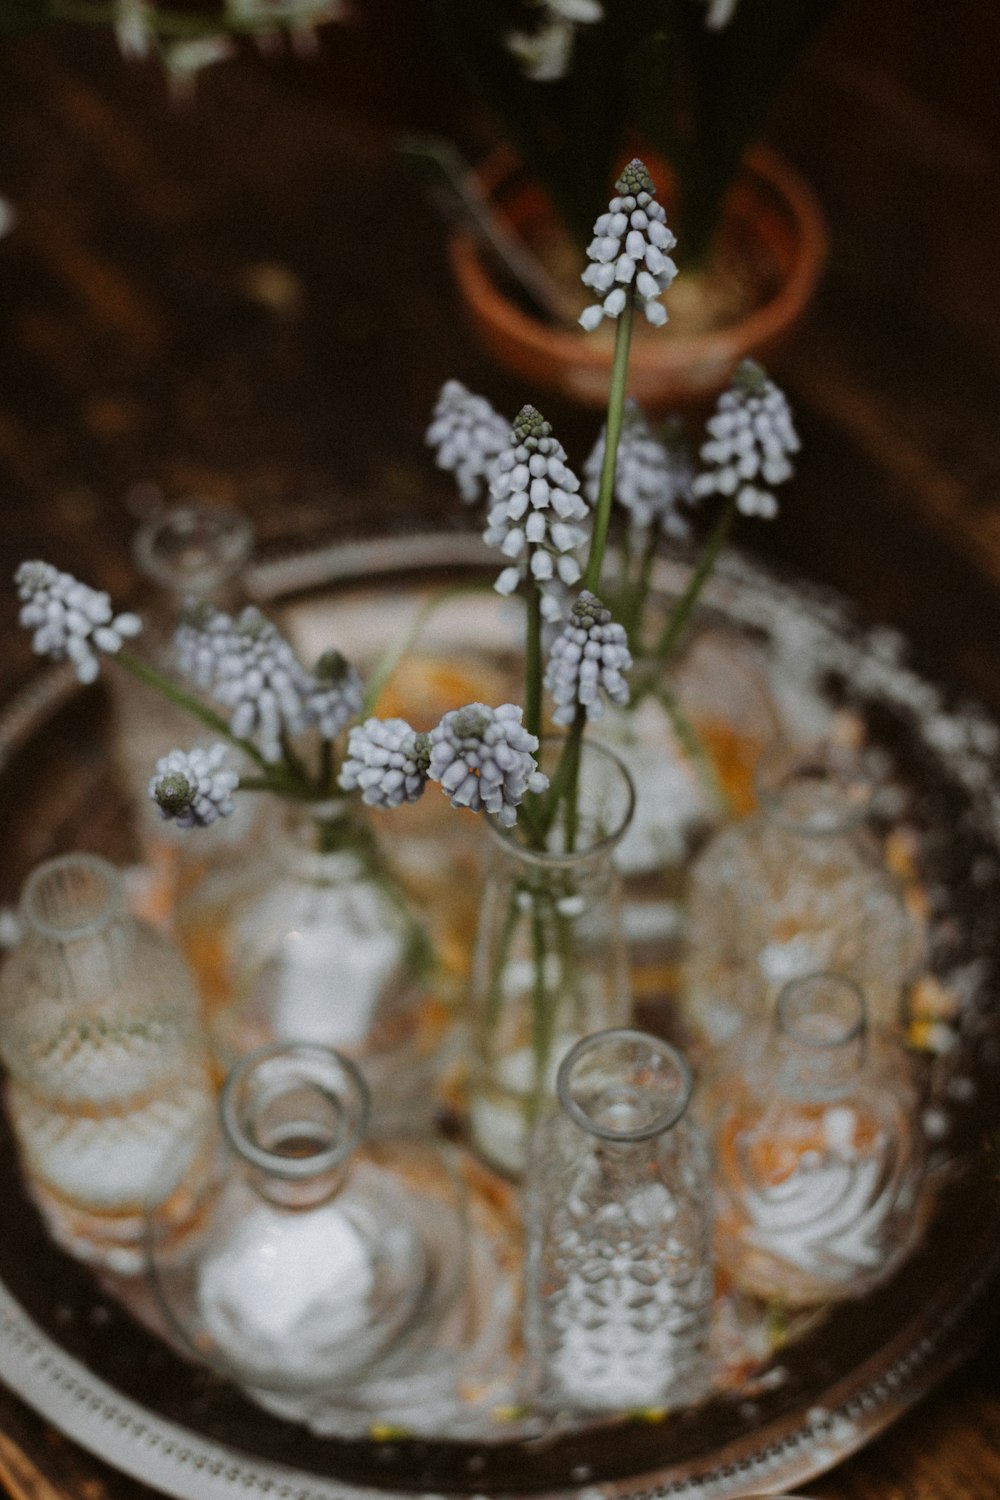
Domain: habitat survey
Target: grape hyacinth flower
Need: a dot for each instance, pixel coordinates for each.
(588, 658)
(652, 478)
(628, 254)
(248, 666)
(483, 758)
(192, 789)
(468, 436)
(750, 437)
(336, 694)
(71, 621)
(545, 54)
(387, 759)
(535, 511)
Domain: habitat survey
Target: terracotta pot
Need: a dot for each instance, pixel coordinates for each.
(772, 222)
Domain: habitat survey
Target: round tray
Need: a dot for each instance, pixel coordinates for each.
(83, 1362)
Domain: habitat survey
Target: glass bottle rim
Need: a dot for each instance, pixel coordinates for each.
(661, 1122)
(316, 1163)
(230, 530)
(545, 859)
(781, 763)
(105, 896)
(851, 1030)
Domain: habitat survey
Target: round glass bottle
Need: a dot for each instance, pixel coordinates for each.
(797, 888)
(550, 963)
(311, 1264)
(618, 1222)
(315, 942)
(819, 1155)
(108, 1084)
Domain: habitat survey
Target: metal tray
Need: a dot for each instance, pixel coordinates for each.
(84, 1363)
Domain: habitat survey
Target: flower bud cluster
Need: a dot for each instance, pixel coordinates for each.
(750, 437)
(628, 254)
(467, 436)
(589, 657)
(247, 665)
(191, 788)
(653, 479)
(71, 621)
(482, 757)
(387, 761)
(536, 510)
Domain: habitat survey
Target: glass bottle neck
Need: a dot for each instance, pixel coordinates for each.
(295, 1115)
(195, 553)
(819, 793)
(820, 1026)
(623, 1087)
(74, 916)
(322, 840)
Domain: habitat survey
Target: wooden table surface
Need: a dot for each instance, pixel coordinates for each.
(247, 299)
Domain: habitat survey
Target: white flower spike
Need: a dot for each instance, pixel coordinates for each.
(628, 255)
(467, 436)
(750, 437)
(653, 479)
(545, 54)
(71, 621)
(248, 666)
(192, 788)
(387, 761)
(588, 658)
(536, 510)
(483, 758)
(336, 694)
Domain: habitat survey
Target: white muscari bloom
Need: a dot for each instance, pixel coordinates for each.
(387, 761)
(335, 695)
(70, 621)
(652, 479)
(536, 510)
(545, 54)
(467, 436)
(750, 437)
(629, 252)
(483, 758)
(589, 658)
(134, 32)
(192, 788)
(248, 666)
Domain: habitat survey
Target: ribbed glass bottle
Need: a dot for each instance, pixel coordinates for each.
(618, 1224)
(108, 1084)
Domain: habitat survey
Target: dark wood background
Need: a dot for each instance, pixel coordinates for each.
(246, 297)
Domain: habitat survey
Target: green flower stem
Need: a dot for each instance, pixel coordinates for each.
(184, 700)
(533, 660)
(564, 779)
(693, 744)
(616, 405)
(542, 1012)
(328, 767)
(640, 591)
(395, 652)
(676, 621)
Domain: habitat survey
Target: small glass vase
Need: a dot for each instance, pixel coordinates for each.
(312, 1264)
(108, 1086)
(550, 963)
(618, 1203)
(797, 888)
(316, 942)
(819, 1153)
(193, 554)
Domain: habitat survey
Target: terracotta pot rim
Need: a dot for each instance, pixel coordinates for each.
(731, 341)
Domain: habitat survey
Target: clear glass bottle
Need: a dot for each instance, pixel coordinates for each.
(797, 888)
(108, 1084)
(618, 1222)
(315, 942)
(312, 1262)
(193, 553)
(550, 963)
(819, 1152)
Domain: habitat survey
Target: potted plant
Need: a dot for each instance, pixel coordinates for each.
(574, 81)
